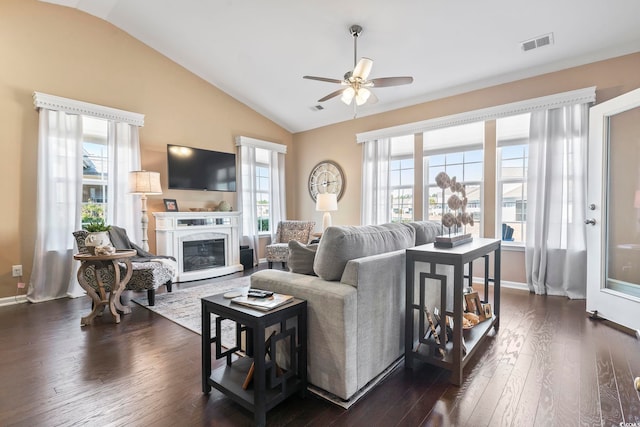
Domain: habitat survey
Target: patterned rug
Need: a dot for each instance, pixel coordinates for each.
(184, 308)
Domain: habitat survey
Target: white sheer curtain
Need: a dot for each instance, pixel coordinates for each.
(556, 197)
(376, 197)
(247, 197)
(59, 187)
(59, 197)
(278, 195)
(123, 209)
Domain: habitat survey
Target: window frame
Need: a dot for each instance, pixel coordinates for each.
(268, 193)
(401, 187)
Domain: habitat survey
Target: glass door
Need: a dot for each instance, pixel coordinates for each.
(613, 213)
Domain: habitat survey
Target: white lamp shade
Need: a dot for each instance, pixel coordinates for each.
(326, 202)
(363, 68)
(362, 96)
(144, 182)
(347, 95)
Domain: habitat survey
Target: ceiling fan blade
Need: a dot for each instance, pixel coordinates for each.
(391, 81)
(323, 79)
(331, 95)
(363, 68)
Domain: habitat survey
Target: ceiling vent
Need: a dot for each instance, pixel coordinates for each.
(545, 40)
(317, 108)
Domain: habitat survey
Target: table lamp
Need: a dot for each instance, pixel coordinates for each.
(143, 183)
(326, 202)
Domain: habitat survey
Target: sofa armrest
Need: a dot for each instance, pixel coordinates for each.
(331, 326)
(380, 281)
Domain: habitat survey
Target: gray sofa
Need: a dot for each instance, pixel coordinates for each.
(356, 303)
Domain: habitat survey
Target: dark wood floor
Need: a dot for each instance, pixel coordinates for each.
(549, 365)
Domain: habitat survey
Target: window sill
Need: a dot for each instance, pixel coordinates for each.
(512, 246)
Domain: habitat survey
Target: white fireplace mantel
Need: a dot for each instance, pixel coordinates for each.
(173, 229)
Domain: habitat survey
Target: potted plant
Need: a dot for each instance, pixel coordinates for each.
(98, 234)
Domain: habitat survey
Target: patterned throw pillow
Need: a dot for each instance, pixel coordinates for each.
(301, 257)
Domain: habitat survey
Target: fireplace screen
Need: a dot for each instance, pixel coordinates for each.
(203, 254)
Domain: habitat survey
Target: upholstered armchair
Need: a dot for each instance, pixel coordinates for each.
(147, 275)
(278, 250)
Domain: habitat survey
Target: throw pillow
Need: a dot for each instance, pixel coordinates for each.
(301, 257)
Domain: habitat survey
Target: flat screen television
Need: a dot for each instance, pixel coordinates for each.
(198, 169)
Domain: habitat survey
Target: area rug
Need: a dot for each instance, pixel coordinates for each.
(184, 307)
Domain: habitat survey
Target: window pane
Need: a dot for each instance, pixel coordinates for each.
(472, 172)
(433, 172)
(437, 160)
(402, 205)
(95, 163)
(394, 178)
(455, 158)
(406, 177)
(456, 170)
(473, 156)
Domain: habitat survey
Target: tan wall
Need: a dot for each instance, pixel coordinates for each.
(337, 142)
(64, 52)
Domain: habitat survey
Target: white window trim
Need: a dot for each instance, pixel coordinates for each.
(71, 106)
(258, 143)
(579, 96)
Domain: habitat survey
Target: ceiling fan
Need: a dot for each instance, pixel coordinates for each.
(357, 85)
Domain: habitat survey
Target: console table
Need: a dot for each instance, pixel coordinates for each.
(99, 298)
(270, 385)
(453, 356)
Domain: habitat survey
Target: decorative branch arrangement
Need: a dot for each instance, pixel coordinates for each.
(458, 216)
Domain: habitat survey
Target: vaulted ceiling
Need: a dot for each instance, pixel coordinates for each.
(257, 51)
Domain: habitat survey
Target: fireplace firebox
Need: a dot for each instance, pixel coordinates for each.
(202, 254)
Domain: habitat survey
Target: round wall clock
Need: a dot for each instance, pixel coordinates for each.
(326, 177)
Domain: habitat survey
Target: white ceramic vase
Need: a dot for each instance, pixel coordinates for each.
(96, 238)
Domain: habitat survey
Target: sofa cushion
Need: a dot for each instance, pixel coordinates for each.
(301, 257)
(343, 243)
(426, 231)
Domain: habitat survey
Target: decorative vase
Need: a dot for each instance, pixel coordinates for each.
(96, 238)
(224, 206)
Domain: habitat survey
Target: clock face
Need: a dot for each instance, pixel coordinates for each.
(326, 177)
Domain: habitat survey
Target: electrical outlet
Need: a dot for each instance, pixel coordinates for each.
(16, 270)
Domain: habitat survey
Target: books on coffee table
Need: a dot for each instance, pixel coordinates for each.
(263, 304)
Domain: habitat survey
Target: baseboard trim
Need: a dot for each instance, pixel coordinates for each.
(18, 299)
(504, 284)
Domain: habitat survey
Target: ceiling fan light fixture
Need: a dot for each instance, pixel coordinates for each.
(347, 95)
(363, 68)
(362, 95)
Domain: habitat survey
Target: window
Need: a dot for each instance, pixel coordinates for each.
(263, 189)
(94, 169)
(458, 151)
(261, 192)
(401, 179)
(512, 134)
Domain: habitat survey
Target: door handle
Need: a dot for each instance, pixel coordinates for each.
(590, 221)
